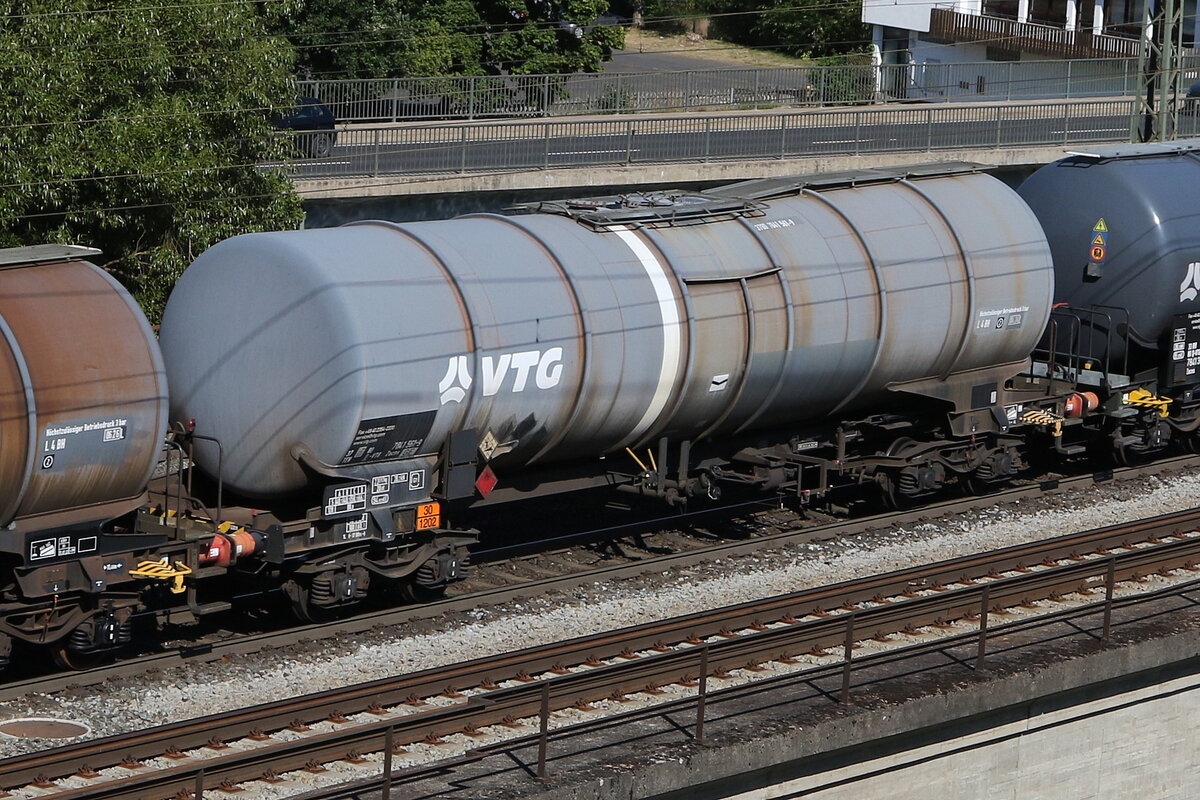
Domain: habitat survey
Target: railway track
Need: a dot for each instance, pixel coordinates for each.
(528, 586)
(697, 648)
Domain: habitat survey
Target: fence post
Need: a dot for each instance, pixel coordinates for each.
(375, 156)
(1010, 82)
(983, 626)
(395, 99)
(847, 658)
(472, 88)
(544, 730)
(1110, 582)
(545, 95)
(628, 141)
(1069, 94)
(687, 90)
(702, 694)
(707, 138)
(462, 150)
(929, 130)
(389, 743)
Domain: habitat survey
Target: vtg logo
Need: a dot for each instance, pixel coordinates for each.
(1190, 288)
(546, 367)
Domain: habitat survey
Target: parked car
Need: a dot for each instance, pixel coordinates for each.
(313, 125)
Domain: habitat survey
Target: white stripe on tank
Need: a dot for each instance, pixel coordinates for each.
(670, 327)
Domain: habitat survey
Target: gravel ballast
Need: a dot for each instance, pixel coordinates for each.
(201, 689)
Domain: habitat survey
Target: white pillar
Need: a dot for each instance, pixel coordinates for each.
(1072, 15)
(1098, 18)
(877, 57)
(1023, 11)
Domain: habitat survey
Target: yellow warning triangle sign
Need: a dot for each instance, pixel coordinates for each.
(1098, 240)
(1101, 226)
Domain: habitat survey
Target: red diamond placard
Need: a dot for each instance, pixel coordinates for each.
(486, 481)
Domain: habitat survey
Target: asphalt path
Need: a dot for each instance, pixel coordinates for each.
(627, 61)
(420, 151)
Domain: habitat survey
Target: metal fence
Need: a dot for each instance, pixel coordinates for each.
(536, 145)
(400, 99)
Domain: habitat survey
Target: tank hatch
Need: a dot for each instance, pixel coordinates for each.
(1144, 150)
(744, 198)
(667, 207)
(41, 253)
(769, 188)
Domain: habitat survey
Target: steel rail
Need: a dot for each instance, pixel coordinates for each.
(892, 655)
(387, 618)
(519, 702)
(878, 603)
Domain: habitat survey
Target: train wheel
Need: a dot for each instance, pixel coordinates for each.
(415, 593)
(889, 478)
(1136, 444)
(76, 661)
(1189, 442)
(996, 472)
(306, 600)
(93, 642)
(1128, 457)
(322, 596)
(972, 486)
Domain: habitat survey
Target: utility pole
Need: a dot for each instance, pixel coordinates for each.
(1157, 115)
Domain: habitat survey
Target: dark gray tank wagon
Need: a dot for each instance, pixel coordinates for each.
(577, 331)
(1123, 224)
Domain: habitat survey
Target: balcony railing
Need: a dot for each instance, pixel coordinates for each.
(1028, 37)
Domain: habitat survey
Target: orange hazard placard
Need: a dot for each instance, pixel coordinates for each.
(1098, 253)
(429, 516)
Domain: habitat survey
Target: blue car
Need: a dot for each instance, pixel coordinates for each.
(314, 126)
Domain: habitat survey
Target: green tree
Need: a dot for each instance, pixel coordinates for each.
(385, 38)
(138, 128)
(399, 38)
(806, 28)
(802, 28)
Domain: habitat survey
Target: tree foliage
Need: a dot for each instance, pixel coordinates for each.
(802, 28)
(399, 38)
(805, 28)
(138, 127)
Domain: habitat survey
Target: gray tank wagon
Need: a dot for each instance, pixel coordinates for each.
(812, 339)
(585, 328)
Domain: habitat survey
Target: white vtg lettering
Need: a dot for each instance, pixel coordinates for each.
(545, 367)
